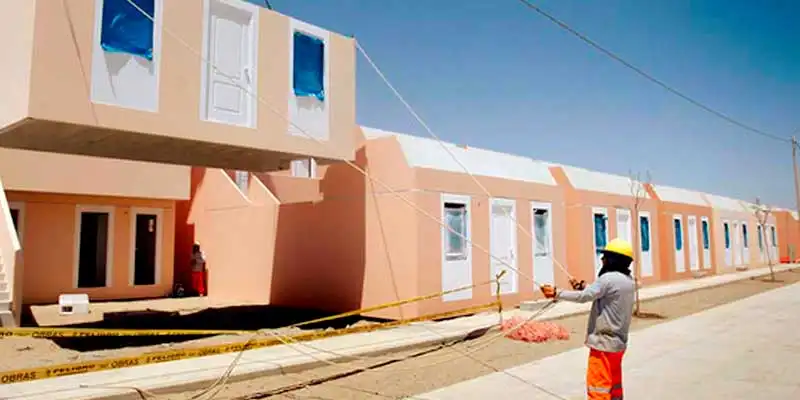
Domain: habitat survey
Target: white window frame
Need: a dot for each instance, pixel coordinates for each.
(538, 205)
(111, 211)
(20, 207)
(703, 234)
(679, 218)
(457, 199)
(159, 213)
(307, 164)
(728, 244)
(242, 180)
(604, 211)
(629, 213)
(745, 239)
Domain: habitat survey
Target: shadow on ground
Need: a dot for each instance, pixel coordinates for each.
(249, 318)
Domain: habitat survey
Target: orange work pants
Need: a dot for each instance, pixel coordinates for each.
(604, 375)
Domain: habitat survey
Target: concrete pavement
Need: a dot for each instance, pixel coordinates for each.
(743, 350)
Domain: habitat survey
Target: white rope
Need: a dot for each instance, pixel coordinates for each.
(452, 155)
(356, 167)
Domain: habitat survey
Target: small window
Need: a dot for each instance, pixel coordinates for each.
(744, 235)
(304, 168)
(706, 236)
(678, 235)
(128, 29)
(309, 66)
(456, 220)
(242, 180)
(540, 222)
(644, 226)
(760, 238)
(727, 236)
(774, 235)
(93, 240)
(600, 235)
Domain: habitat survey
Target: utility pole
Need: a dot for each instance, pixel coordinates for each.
(796, 182)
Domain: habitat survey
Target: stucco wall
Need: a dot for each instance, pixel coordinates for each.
(49, 244)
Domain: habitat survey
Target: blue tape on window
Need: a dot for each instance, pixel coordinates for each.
(309, 66)
(126, 30)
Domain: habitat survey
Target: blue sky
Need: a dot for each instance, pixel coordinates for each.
(493, 74)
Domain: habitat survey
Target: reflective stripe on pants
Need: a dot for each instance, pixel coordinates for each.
(604, 375)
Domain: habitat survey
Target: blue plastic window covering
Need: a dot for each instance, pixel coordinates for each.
(678, 235)
(260, 3)
(599, 232)
(309, 66)
(644, 224)
(760, 238)
(125, 29)
(744, 235)
(774, 236)
(706, 239)
(727, 236)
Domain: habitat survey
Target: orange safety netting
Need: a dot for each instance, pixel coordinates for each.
(534, 331)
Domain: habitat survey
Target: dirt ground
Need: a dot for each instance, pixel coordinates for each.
(446, 366)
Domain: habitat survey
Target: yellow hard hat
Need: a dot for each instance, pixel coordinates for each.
(620, 246)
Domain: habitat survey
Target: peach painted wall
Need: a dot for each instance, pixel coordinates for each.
(580, 226)
(49, 26)
(788, 231)
(35, 171)
(667, 239)
(237, 234)
(719, 216)
(49, 244)
(16, 26)
(432, 184)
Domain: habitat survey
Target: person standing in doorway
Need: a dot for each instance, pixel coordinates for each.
(612, 297)
(198, 265)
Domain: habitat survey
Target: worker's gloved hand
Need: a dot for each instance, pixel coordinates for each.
(577, 285)
(548, 291)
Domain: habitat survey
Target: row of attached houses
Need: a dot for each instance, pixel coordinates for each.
(98, 194)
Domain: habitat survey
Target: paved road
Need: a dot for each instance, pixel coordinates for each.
(748, 349)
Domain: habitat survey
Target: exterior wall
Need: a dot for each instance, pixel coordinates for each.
(719, 216)
(64, 34)
(49, 241)
(666, 238)
(34, 171)
(788, 236)
(579, 226)
(432, 184)
(237, 234)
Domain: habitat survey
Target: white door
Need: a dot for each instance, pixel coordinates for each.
(646, 254)
(763, 246)
(680, 262)
(773, 235)
(624, 230)
(503, 244)
(600, 231)
(737, 244)
(694, 254)
(229, 77)
(456, 246)
(745, 245)
(726, 227)
(706, 233)
(543, 272)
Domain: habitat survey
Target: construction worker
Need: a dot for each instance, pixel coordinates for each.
(612, 297)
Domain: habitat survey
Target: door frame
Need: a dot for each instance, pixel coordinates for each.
(595, 260)
(19, 206)
(727, 243)
(629, 213)
(159, 213)
(205, 71)
(695, 244)
(675, 250)
(647, 215)
(706, 264)
(466, 200)
(542, 205)
(501, 201)
(76, 246)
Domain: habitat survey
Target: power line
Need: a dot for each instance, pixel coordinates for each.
(651, 78)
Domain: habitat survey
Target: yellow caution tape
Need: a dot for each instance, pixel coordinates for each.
(44, 332)
(32, 374)
(92, 332)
